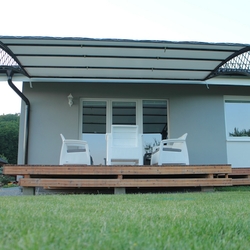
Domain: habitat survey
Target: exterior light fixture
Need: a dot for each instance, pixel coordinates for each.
(70, 100)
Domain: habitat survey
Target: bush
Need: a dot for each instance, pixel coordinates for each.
(242, 132)
(5, 179)
(9, 125)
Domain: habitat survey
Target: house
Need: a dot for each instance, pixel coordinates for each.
(80, 87)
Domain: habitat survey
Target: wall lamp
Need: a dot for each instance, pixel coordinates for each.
(70, 100)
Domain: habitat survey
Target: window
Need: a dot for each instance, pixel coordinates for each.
(237, 117)
(237, 113)
(155, 126)
(155, 117)
(98, 115)
(124, 113)
(94, 117)
(94, 128)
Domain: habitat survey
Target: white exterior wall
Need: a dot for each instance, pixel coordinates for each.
(238, 152)
(193, 109)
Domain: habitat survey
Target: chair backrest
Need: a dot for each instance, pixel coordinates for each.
(174, 151)
(124, 145)
(74, 152)
(62, 137)
(181, 144)
(124, 135)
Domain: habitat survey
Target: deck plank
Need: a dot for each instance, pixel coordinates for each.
(115, 170)
(240, 171)
(36, 182)
(241, 182)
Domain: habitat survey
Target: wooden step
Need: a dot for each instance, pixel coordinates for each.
(115, 170)
(36, 182)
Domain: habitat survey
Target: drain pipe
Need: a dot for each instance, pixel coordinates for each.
(26, 118)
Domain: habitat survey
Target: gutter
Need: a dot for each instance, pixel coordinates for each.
(27, 116)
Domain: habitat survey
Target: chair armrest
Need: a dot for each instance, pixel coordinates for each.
(172, 149)
(69, 141)
(172, 140)
(76, 150)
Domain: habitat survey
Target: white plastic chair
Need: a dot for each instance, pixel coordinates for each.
(171, 151)
(124, 145)
(74, 152)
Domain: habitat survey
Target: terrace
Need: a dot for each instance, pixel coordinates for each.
(120, 178)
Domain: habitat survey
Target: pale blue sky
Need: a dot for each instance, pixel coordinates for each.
(176, 20)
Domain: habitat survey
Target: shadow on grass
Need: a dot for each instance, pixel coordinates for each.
(235, 188)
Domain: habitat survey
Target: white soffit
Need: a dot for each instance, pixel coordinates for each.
(113, 60)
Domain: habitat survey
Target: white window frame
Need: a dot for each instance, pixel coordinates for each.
(139, 119)
(237, 147)
(80, 112)
(139, 111)
(235, 98)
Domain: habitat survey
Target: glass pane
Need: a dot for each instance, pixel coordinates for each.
(97, 147)
(124, 113)
(155, 117)
(154, 126)
(150, 141)
(94, 129)
(237, 118)
(94, 117)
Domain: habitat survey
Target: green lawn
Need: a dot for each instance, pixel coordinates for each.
(217, 220)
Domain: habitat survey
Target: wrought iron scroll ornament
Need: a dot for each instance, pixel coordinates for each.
(238, 65)
(8, 62)
(6, 59)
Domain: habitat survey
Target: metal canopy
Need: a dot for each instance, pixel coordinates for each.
(80, 59)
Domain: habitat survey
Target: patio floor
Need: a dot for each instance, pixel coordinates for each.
(122, 177)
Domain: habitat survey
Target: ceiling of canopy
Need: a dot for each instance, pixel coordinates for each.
(82, 59)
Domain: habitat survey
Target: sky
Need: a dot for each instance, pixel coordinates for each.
(171, 20)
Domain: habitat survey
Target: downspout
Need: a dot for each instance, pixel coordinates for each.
(26, 118)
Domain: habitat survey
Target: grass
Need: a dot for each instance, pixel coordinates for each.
(233, 188)
(218, 220)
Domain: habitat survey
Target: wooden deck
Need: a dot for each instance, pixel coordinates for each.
(240, 176)
(121, 177)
